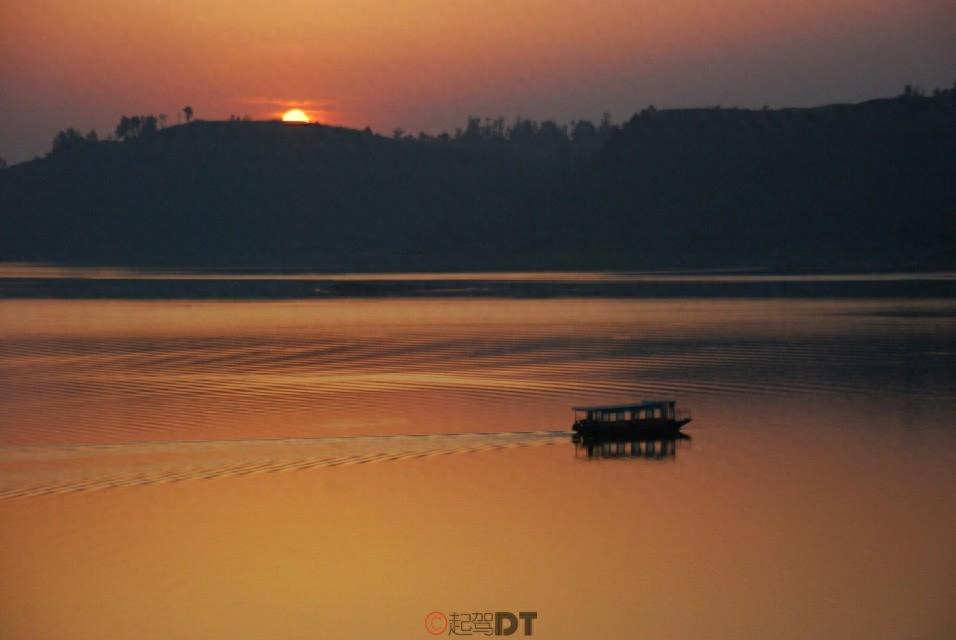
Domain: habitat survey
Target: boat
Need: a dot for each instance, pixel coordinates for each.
(627, 421)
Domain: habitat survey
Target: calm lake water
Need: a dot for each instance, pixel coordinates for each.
(177, 464)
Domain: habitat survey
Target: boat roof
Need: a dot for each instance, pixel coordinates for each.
(643, 404)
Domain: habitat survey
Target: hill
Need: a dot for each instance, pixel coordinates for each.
(255, 193)
(867, 186)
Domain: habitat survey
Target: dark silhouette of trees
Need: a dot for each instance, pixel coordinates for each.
(523, 131)
(128, 127)
(912, 91)
(188, 113)
(149, 125)
(552, 132)
(68, 140)
(583, 130)
(472, 132)
(135, 126)
(585, 137)
(604, 129)
(546, 141)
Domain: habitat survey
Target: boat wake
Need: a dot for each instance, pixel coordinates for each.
(31, 471)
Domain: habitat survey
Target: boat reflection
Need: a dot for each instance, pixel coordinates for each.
(647, 447)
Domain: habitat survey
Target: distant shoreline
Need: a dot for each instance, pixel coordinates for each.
(32, 282)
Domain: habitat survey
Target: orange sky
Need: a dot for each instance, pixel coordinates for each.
(426, 64)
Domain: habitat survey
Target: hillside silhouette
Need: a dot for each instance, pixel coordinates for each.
(869, 185)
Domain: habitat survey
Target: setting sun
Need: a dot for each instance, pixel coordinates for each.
(295, 115)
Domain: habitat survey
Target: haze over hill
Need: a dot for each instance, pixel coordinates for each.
(859, 186)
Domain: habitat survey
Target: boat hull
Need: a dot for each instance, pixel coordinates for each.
(625, 430)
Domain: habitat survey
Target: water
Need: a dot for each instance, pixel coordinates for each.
(343, 464)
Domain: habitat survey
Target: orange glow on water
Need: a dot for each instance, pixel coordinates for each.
(342, 467)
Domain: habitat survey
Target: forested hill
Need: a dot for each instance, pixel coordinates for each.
(871, 185)
(250, 193)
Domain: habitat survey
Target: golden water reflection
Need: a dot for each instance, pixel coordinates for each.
(738, 539)
(342, 468)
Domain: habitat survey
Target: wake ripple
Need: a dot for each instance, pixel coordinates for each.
(73, 372)
(33, 471)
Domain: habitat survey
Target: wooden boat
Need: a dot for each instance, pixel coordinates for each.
(624, 421)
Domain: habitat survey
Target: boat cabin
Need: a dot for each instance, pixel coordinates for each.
(650, 410)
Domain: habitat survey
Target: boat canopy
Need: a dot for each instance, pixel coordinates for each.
(637, 406)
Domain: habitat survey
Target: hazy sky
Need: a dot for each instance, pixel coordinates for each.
(427, 64)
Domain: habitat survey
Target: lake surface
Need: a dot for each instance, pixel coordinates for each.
(340, 456)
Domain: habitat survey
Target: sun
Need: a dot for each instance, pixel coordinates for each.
(295, 115)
